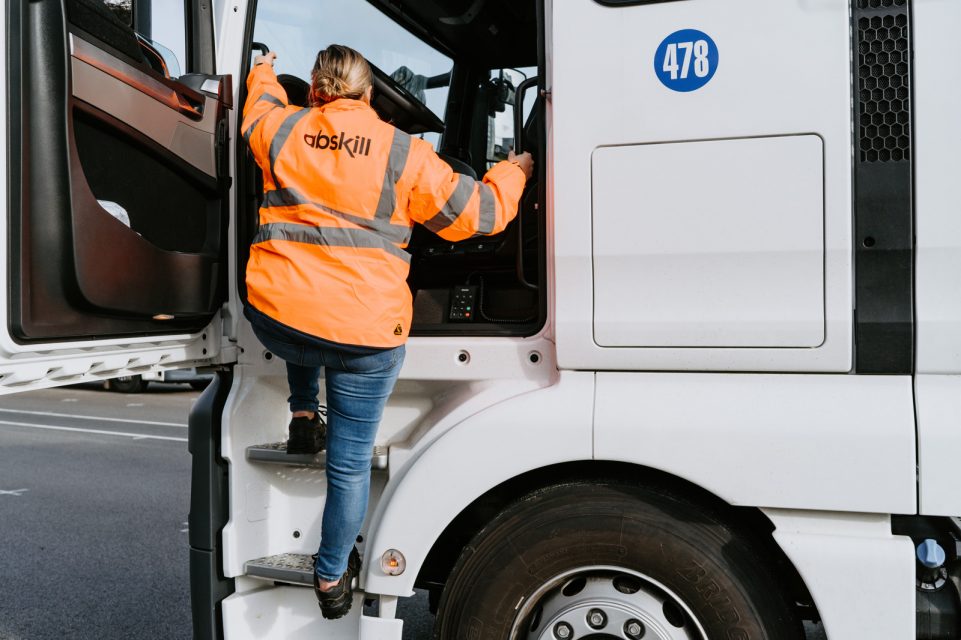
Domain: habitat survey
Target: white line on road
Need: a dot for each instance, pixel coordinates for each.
(136, 436)
(70, 415)
(14, 492)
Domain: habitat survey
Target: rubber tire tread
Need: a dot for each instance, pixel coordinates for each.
(722, 574)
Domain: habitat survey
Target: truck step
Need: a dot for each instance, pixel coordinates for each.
(276, 453)
(290, 568)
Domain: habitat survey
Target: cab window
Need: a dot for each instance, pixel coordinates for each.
(161, 28)
(297, 30)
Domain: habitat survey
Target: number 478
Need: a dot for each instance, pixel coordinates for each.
(697, 50)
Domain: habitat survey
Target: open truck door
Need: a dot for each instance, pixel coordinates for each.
(116, 185)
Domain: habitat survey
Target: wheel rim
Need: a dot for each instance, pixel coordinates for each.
(604, 602)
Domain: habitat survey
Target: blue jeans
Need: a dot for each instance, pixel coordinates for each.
(358, 384)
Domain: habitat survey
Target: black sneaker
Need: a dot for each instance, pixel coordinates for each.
(307, 436)
(336, 603)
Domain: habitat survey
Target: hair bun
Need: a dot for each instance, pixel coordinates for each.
(339, 72)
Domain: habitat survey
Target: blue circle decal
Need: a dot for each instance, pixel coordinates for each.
(686, 60)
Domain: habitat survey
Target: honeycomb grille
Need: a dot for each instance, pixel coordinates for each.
(883, 82)
(881, 4)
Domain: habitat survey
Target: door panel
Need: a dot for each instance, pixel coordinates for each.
(125, 137)
(783, 73)
(116, 185)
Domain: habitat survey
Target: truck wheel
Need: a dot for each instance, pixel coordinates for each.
(602, 560)
(128, 384)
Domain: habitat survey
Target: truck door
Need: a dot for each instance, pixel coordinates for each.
(115, 188)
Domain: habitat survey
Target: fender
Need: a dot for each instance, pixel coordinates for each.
(533, 430)
(829, 548)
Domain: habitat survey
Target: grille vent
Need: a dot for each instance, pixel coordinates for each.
(881, 4)
(884, 56)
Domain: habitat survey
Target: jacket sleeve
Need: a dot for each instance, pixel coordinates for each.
(457, 207)
(265, 96)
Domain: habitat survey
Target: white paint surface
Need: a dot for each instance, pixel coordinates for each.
(831, 442)
(939, 439)
(760, 89)
(860, 576)
(709, 244)
(936, 78)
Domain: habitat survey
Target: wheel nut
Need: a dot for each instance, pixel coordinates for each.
(563, 631)
(633, 629)
(596, 618)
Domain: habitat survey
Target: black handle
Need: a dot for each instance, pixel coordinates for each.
(519, 113)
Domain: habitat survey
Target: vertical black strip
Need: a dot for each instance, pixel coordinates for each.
(883, 201)
(209, 510)
(200, 37)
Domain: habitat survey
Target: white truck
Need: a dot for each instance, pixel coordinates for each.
(707, 385)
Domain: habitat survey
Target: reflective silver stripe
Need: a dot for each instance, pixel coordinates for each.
(280, 138)
(328, 237)
(250, 130)
(488, 210)
(454, 206)
(271, 99)
(292, 198)
(396, 163)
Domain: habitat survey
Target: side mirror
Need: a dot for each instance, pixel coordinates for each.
(500, 94)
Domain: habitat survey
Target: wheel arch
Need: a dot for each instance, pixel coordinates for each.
(748, 521)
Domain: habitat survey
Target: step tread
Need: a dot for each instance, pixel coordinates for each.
(291, 568)
(276, 453)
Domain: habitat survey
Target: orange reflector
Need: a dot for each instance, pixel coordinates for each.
(392, 562)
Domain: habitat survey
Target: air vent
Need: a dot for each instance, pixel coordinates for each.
(881, 4)
(884, 57)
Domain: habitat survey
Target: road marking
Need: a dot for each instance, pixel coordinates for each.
(137, 436)
(134, 404)
(14, 492)
(186, 529)
(68, 400)
(70, 415)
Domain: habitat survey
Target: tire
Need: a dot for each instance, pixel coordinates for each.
(128, 384)
(577, 544)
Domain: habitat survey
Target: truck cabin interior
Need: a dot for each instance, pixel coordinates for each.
(485, 286)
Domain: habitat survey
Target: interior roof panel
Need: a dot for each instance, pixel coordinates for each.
(489, 33)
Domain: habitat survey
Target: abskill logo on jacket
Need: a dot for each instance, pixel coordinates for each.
(354, 145)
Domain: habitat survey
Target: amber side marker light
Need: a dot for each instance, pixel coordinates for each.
(393, 562)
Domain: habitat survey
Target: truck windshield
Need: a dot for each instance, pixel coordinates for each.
(297, 30)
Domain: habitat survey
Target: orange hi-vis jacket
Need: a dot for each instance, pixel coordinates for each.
(342, 192)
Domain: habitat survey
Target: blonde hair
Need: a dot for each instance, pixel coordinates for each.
(339, 72)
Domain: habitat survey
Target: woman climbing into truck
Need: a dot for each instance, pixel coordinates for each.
(326, 278)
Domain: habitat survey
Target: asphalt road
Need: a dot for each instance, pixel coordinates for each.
(94, 496)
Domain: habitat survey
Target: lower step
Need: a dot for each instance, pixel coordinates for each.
(290, 568)
(276, 453)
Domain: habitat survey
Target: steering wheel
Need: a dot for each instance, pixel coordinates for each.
(397, 105)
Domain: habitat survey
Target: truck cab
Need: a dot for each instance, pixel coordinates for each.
(707, 384)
